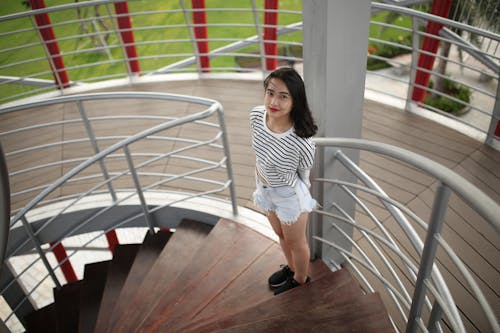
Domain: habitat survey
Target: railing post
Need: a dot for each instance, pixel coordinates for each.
(56, 62)
(147, 215)
(270, 36)
(29, 230)
(314, 227)
(127, 37)
(434, 318)
(428, 255)
(93, 141)
(65, 264)
(112, 240)
(413, 66)
(260, 37)
(430, 45)
(200, 33)
(4, 206)
(229, 164)
(494, 128)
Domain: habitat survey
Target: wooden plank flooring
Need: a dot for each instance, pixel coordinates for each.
(475, 241)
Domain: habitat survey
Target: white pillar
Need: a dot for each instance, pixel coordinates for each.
(335, 39)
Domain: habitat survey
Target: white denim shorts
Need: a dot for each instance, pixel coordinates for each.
(286, 201)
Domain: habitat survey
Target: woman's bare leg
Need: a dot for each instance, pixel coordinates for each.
(295, 241)
(276, 224)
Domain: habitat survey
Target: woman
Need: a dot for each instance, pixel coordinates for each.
(281, 138)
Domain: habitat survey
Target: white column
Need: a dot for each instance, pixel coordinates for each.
(335, 51)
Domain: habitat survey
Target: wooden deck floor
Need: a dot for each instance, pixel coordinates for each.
(475, 241)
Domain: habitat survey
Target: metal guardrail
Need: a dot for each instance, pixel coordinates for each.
(414, 278)
(481, 63)
(129, 169)
(111, 63)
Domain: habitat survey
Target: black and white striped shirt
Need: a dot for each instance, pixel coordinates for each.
(281, 157)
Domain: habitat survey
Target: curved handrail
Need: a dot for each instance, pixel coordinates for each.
(483, 204)
(102, 96)
(426, 253)
(214, 106)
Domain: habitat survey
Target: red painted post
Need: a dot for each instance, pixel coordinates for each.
(127, 35)
(47, 33)
(66, 266)
(112, 239)
(270, 36)
(497, 130)
(200, 33)
(431, 45)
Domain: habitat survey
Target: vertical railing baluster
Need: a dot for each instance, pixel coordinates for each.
(31, 234)
(314, 227)
(413, 64)
(435, 317)
(494, 128)
(260, 38)
(93, 141)
(147, 214)
(4, 205)
(428, 255)
(189, 24)
(229, 165)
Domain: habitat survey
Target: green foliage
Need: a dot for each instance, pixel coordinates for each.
(445, 104)
(395, 30)
(387, 51)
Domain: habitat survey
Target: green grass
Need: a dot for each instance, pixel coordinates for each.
(393, 34)
(150, 42)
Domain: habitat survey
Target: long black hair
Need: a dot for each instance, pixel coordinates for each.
(301, 115)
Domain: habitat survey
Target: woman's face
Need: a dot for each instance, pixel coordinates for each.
(277, 100)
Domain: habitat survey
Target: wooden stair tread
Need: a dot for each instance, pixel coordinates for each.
(119, 267)
(228, 252)
(67, 301)
(363, 314)
(251, 286)
(332, 289)
(149, 251)
(203, 279)
(42, 320)
(175, 256)
(94, 281)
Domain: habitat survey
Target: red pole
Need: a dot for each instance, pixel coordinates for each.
(270, 36)
(127, 35)
(497, 130)
(201, 34)
(45, 28)
(429, 44)
(112, 240)
(66, 266)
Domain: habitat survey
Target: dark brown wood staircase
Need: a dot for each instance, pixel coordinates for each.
(204, 279)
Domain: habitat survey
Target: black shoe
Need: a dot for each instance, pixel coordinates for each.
(277, 279)
(290, 284)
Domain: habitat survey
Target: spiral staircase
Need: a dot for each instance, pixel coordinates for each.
(200, 278)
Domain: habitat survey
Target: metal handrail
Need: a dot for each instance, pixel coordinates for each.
(4, 205)
(483, 204)
(429, 279)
